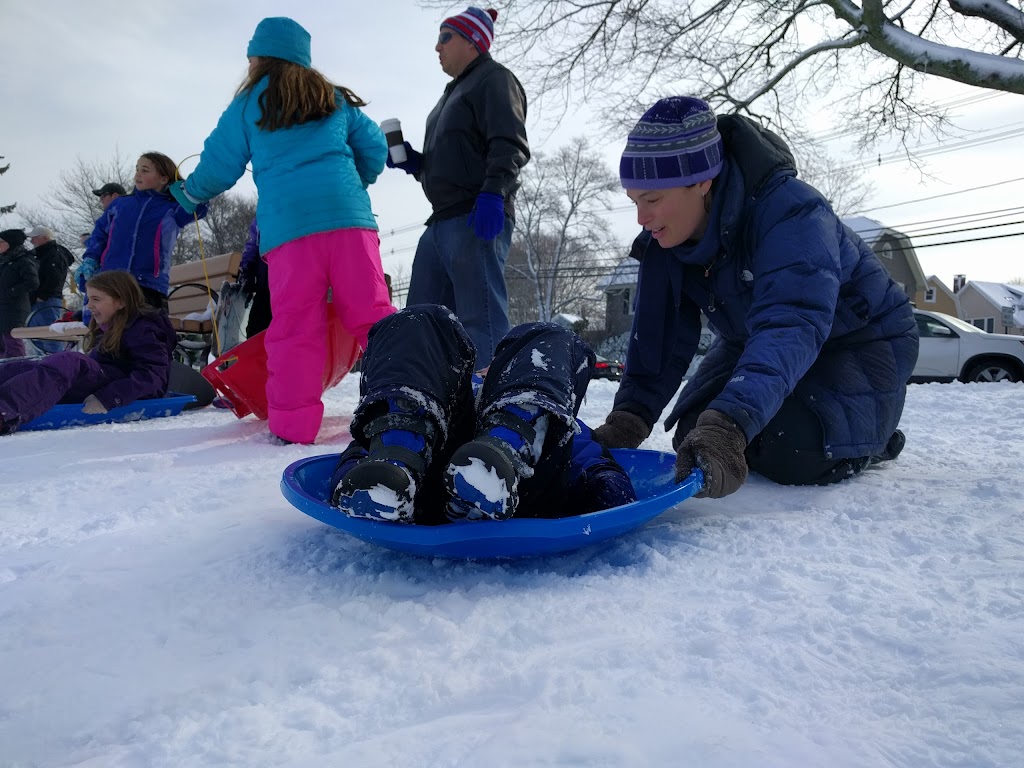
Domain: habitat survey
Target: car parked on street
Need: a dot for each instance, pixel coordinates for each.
(952, 350)
(608, 369)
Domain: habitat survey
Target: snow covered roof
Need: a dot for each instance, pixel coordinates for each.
(624, 275)
(871, 230)
(1000, 294)
(868, 229)
(567, 319)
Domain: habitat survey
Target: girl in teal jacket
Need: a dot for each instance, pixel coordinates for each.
(313, 154)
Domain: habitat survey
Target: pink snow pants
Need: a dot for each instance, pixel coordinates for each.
(348, 262)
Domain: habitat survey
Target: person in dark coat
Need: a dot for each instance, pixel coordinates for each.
(53, 260)
(806, 379)
(428, 449)
(474, 147)
(129, 358)
(254, 275)
(19, 279)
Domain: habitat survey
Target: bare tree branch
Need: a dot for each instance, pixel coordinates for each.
(560, 231)
(765, 58)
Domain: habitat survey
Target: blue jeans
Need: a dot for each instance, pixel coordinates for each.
(46, 313)
(455, 268)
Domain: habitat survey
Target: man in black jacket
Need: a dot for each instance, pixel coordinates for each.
(53, 260)
(473, 149)
(19, 278)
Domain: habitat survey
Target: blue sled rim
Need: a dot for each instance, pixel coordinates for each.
(70, 414)
(305, 486)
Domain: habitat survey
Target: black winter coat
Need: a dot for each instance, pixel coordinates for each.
(475, 140)
(19, 278)
(53, 260)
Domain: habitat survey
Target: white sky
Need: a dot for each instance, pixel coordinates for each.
(89, 79)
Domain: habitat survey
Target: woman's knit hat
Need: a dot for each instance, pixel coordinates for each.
(475, 25)
(675, 144)
(13, 237)
(281, 38)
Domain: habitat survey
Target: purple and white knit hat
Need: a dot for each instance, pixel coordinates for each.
(475, 25)
(675, 144)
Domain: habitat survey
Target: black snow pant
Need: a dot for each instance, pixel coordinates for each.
(424, 348)
(788, 451)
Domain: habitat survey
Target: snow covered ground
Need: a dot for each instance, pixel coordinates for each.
(162, 605)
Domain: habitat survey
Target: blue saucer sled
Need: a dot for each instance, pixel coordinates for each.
(70, 414)
(305, 485)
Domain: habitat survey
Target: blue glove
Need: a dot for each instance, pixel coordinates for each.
(413, 162)
(488, 215)
(177, 190)
(88, 268)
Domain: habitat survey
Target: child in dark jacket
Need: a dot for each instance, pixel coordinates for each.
(138, 232)
(428, 449)
(129, 358)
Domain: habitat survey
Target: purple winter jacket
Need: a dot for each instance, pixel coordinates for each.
(143, 369)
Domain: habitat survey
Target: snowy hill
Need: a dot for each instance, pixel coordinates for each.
(162, 605)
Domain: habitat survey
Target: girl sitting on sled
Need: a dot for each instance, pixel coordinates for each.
(127, 358)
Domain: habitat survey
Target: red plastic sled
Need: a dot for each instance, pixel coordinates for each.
(240, 374)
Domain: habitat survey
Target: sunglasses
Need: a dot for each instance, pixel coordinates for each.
(444, 37)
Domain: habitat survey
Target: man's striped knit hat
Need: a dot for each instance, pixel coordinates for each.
(675, 144)
(475, 25)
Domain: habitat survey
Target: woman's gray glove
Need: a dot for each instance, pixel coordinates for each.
(621, 429)
(716, 445)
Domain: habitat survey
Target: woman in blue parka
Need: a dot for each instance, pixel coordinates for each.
(806, 379)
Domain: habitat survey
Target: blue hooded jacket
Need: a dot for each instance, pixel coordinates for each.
(311, 177)
(799, 304)
(137, 233)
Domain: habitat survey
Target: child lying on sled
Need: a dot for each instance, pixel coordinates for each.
(428, 449)
(127, 358)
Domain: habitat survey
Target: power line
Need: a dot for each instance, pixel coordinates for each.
(990, 136)
(945, 194)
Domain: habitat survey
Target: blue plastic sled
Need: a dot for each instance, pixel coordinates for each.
(305, 485)
(70, 414)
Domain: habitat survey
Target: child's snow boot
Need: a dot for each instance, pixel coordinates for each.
(382, 485)
(483, 476)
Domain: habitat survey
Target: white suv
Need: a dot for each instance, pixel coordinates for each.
(952, 349)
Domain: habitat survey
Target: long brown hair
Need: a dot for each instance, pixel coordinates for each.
(164, 166)
(122, 286)
(294, 95)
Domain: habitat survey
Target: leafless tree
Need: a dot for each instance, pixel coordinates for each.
(765, 58)
(560, 230)
(224, 229)
(843, 185)
(70, 207)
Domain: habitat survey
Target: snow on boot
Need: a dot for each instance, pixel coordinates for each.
(483, 476)
(382, 485)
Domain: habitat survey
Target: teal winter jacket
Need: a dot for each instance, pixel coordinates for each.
(310, 177)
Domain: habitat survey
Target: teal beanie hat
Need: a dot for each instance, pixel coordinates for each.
(281, 38)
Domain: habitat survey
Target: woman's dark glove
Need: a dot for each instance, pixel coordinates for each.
(247, 278)
(716, 445)
(621, 429)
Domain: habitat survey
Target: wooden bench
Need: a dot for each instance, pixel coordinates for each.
(188, 295)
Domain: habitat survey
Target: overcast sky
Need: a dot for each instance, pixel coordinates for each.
(87, 79)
